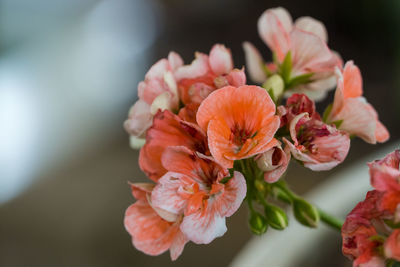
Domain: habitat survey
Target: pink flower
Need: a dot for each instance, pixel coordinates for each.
(206, 74)
(385, 178)
(295, 105)
(169, 130)
(157, 91)
(319, 146)
(194, 185)
(306, 40)
(274, 163)
(153, 230)
(356, 115)
(240, 123)
(392, 245)
(358, 232)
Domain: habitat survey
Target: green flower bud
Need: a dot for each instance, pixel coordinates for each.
(275, 86)
(276, 217)
(258, 224)
(305, 213)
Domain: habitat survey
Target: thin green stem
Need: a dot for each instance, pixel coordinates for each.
(330, 220)
(288, 196)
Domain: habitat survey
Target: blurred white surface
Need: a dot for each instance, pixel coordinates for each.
(338, 196)
(68, 73)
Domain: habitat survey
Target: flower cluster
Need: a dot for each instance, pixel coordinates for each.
(371, 233)
(209, 139)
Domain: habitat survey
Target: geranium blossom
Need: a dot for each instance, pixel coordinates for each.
(319, 146)
(193, 186)
(158, 91)
(169, 130)
(153, 230)
(305, 40)
(354, 114)
(239, 121)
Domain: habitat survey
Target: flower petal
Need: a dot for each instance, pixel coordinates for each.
(198, 67)
(312, 25)
(232, 196)
(220, 60)
(254, 63)
(204, 227)
(274, 26)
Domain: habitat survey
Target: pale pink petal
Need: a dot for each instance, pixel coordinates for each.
(236, 77)
(229, 201)
(352, 80)
(161, 102)
(312, 25)
(297, 154)
(381, 133)
(203, 227)
(166, 193)
(220, 59)
(175, 60)
(197, 68)
(149, 232)
(310, 53)
(254, 63)
(177, 245)
(158, 69)
(274, 26)
(358, 119)
(139, 119)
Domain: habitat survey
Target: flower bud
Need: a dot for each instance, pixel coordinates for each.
(305, 213)
(275, 85)
(276, 217)
(258, 224)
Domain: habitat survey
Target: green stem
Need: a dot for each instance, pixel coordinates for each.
(330, 220)
(287, 196)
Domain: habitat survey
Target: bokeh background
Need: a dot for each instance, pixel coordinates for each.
(68, 75)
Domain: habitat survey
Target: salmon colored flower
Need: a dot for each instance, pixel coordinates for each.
(153, 230)
(385, 177)
(392, 245)
(194, 185)
(354, 114)
(306, 40)
(358, 232)
(274, 163)
(158, 91)
(206, 74)
(319, 146)
(240, 123)
(169, 130)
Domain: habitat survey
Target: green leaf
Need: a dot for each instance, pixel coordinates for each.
(327, 112)
(286, 67)
(300, 79)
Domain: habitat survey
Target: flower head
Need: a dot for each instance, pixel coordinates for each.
(318, 145)
(194, 186)
(240, 123)
(354, 114)
(158, 91)
(305, 40)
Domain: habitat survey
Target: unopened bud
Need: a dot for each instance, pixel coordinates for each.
(276, 217)
(258, 224)
(305, 213)
(275, 85)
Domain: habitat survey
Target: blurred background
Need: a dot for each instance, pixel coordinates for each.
(68, 75)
